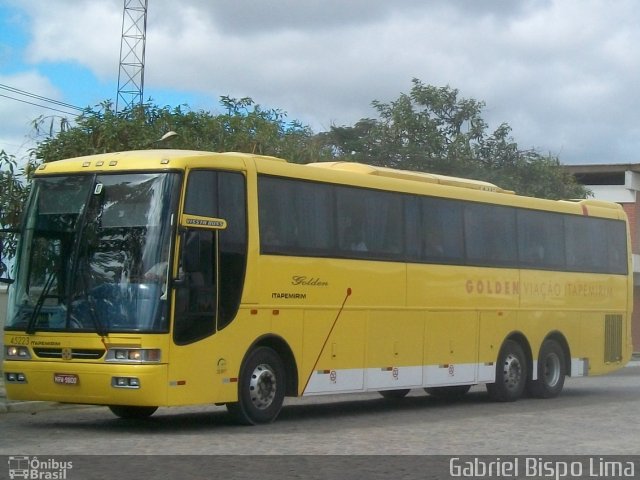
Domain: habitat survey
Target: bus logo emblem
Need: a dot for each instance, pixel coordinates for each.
(66, 354)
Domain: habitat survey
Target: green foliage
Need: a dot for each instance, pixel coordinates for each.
(244, 127)
(13, 195)
(14, 188)
(431, 129)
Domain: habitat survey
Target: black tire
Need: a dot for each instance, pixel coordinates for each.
(261, 388)
(511, 373)
(552, 370)
(394, 394)
(131, 412)
(452, 392)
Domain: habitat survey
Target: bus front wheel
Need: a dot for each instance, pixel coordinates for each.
(511, 373)
(551, 371)
(132, 412)
(261, 388)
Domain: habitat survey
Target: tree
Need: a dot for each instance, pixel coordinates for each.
(14, 190)
(244, 127)
(431, 129)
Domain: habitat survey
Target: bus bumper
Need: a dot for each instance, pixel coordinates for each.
(86, 383)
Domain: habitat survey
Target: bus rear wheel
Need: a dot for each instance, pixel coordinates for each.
(261, 388)
(551, 371)
(130, 412)
(511, 373)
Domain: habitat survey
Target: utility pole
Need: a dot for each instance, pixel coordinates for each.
(132, 46)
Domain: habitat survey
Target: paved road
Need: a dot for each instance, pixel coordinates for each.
(594, 416)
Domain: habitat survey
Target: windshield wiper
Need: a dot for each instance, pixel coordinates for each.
(101, 329)
(31, 326)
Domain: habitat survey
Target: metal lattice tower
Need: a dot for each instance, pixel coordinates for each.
(132, 45)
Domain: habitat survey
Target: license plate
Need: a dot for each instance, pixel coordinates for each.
(66, 379)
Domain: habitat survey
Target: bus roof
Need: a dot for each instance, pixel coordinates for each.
(166, 159)
(138, 160)
(410, 175)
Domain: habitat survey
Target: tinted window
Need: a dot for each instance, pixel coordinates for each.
(595, 245)
(316, 219)
(296, 218)
(490, 235)
(219, 195)
(616, 246)
(369, 223)
(220, 255)
(541, 239)
(233, 244)
(442, 238)
(202, 194)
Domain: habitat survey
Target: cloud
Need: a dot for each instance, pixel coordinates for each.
(562, 73)
(17, 117)
(83, 32)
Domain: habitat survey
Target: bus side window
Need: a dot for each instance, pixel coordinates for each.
(213, 291)
(196, 298)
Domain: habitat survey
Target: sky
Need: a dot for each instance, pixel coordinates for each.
(564, 74)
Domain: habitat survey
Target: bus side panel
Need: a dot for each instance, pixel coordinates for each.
(593, 345)
(207, 370)
(452, 287)
(333, 351)
(394, 349)
(451, 348)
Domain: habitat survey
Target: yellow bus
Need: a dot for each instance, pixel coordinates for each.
(166, 278)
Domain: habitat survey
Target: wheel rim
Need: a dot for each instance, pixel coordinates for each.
(551, 369)
(512, 372)
(262, 387)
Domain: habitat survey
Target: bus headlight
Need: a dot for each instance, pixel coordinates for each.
(133, 355)
(13, 352)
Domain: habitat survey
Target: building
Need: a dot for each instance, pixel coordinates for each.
(619, 183)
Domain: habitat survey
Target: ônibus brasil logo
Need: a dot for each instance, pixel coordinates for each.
(23, 466)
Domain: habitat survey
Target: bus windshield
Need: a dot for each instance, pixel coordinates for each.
(94, 254)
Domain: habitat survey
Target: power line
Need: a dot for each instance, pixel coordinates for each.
(36, 104)
(39, 98)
